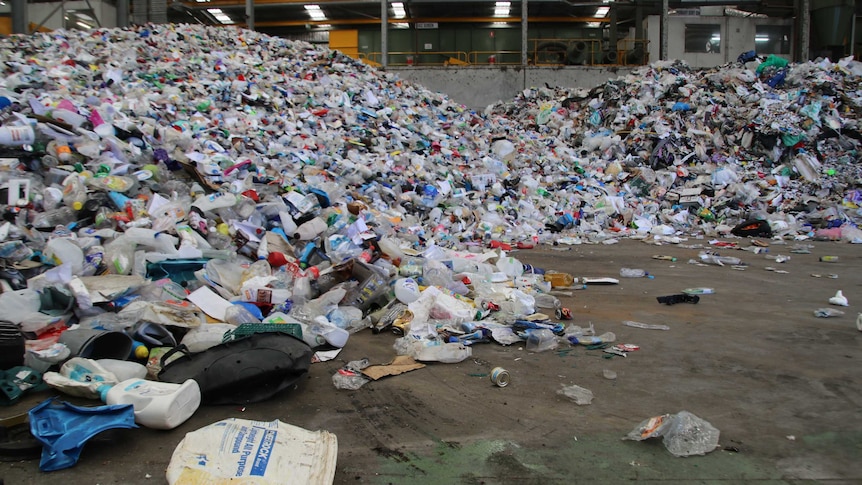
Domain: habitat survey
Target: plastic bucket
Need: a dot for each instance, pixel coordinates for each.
(97, 344)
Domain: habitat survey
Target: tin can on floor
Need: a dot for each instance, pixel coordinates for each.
(500, 377)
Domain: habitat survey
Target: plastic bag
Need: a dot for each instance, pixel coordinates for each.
(350, 376)
(81, 377)
(582, 396)
(684, 434)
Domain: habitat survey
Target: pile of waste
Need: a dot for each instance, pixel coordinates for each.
(173, 194)
(698, 149)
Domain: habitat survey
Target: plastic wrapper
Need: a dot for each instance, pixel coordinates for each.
(580, 395)
(683, 433)
(350, 376)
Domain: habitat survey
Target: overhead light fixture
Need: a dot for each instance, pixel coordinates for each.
(84, 25)
(314, 12)
(499, 24)
(219, 15)
(501, 9)
(602, 11)
(202, 1)
(398, 10)
(594, 24)
(401, 25)
(761, 38)
(716, 38)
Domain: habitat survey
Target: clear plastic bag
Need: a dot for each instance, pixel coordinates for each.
(582, 396)
(684, 434)
(350, 376)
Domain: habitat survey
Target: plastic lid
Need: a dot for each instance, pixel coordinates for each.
(315, 273)
(77, 205)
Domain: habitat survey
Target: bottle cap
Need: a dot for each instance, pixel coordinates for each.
(315, 272)
(77, 205)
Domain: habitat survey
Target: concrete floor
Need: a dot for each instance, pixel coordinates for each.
(782, 386)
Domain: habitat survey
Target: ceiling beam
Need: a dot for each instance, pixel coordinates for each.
(441, 20)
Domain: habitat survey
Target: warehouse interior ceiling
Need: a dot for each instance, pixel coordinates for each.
(285, 17)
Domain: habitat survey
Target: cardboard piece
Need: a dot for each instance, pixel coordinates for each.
(399, 365)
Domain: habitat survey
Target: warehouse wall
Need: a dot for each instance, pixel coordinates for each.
(476, 87)
(37, 13)
(737, 36)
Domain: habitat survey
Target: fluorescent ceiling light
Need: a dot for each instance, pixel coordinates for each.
(401, 25)
(716, 38)
(594, 24)
(501, 9)
(314, 12)
(398, 10)
(83, 25)
(761, 38)
(499, 24)
(202, 1)
(602, 11)
(220, 16)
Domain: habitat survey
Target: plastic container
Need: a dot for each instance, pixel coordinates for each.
(74, 192)
(124, 369)
(158, 405)
(310, 229)
(64, 251)
(540, 340)
(592, 340)
(559, 279)
(634, 273)
(17, 135)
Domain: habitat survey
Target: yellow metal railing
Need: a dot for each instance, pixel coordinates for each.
(423, 58)
(491, 58)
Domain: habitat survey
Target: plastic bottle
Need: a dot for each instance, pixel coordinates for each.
(74, 192)
(634, 273)
(544, 300)
(237, 315)
(310, 229)
(17, 135)
(215, 201)
(53, 218)
(64, 251)
(158, 405)
(124, 369)
(592, 340)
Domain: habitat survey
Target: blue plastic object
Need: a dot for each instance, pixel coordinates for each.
(746, 57)
(63, 428)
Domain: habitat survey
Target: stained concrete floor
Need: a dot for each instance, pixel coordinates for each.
(782, 386)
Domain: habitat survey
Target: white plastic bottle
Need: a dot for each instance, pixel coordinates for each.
(310, 229)
(158, 405)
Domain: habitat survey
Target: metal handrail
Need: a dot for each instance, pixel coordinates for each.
(505, 58)
(420, 58)
(544, 52)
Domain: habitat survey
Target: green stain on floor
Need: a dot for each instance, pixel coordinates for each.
(587, 459)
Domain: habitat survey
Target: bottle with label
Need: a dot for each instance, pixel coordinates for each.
(158, 405)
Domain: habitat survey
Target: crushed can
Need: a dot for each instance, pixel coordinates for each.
(563, 314)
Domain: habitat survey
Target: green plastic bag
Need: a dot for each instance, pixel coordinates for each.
(772, 61)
